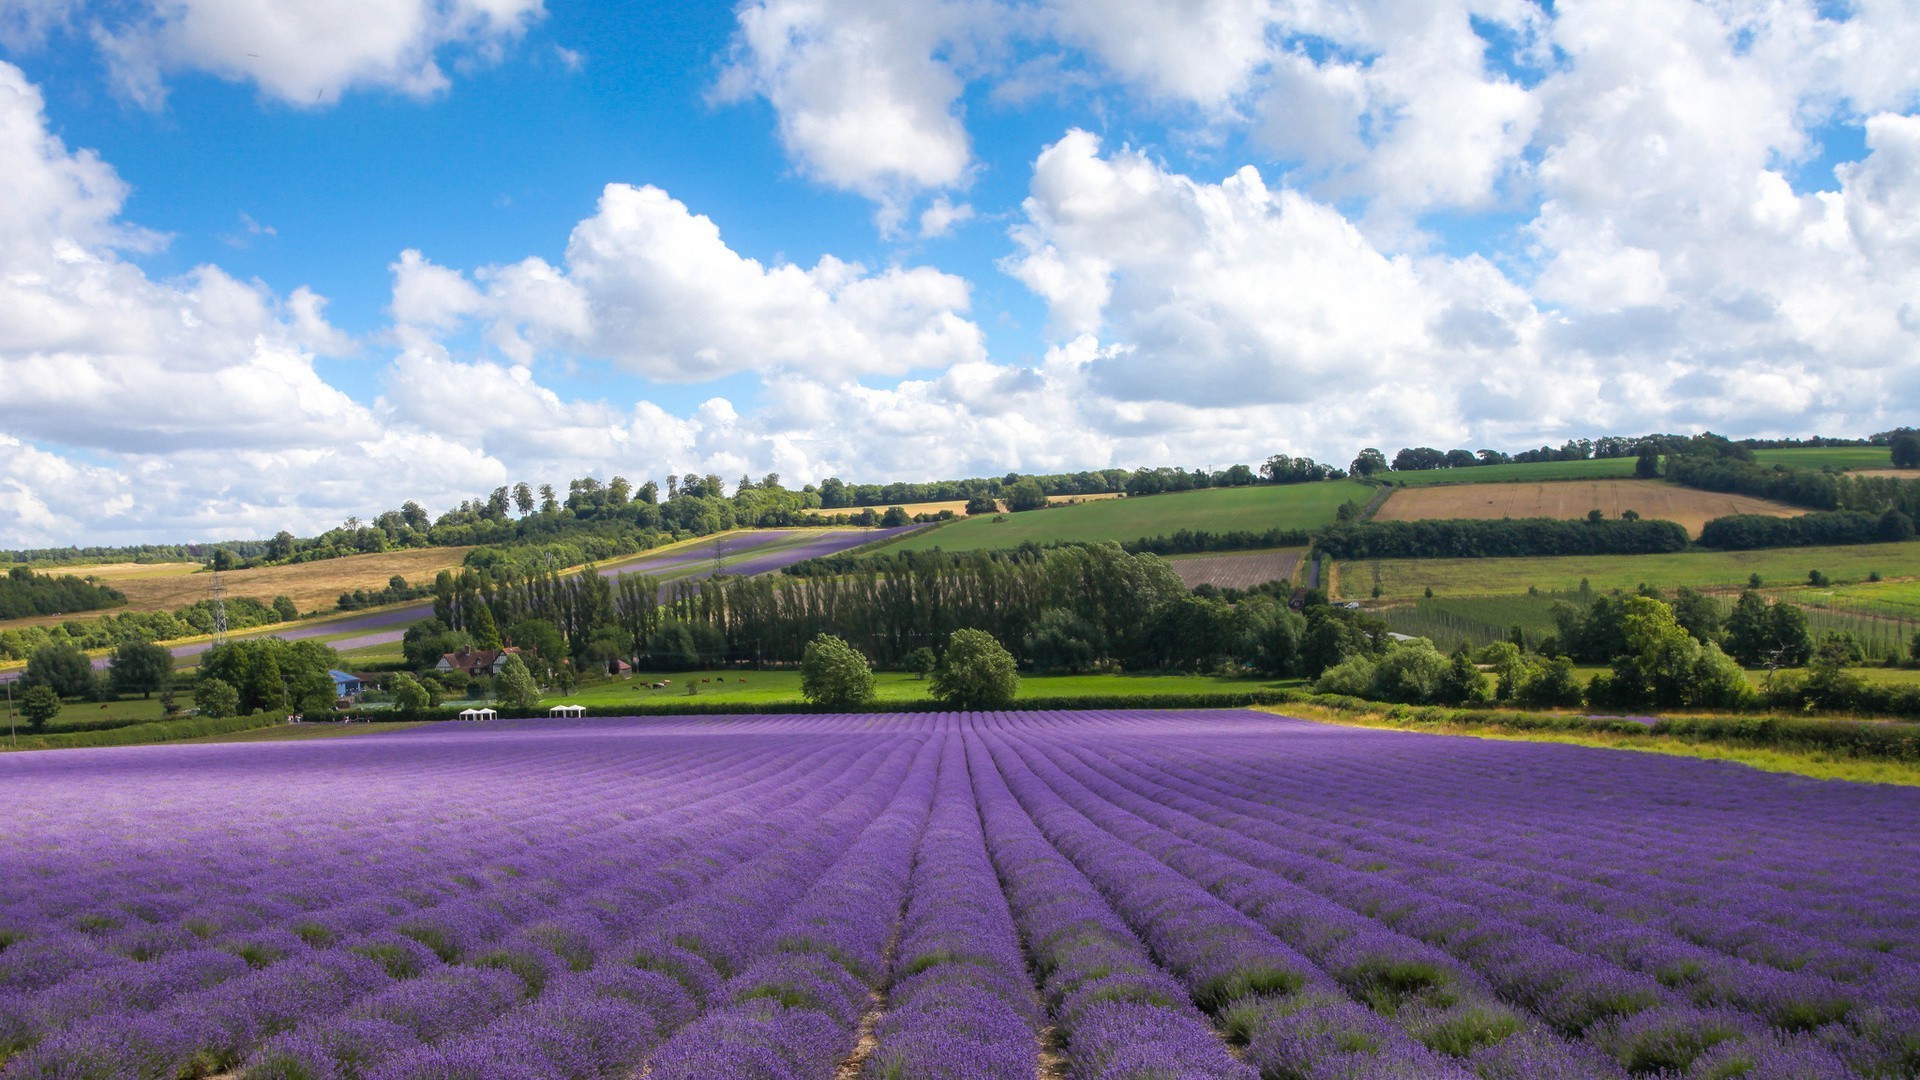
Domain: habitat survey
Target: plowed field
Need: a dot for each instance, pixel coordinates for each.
(1573, 499)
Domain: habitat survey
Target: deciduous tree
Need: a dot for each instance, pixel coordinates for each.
(976, 672)
(833, 673)
(216, 698)
(140, 667)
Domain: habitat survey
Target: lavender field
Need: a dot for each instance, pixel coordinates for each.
(1139, 895)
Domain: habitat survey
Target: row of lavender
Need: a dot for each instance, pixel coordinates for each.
(1085, 895)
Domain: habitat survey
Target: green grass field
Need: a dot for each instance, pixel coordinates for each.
(1285, 506)
(1408, 578)
(1449, 621)
(766, 687)
(1596, 469)
(1832, 457)
(1899, 599)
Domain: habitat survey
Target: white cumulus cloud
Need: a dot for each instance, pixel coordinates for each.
(652, 286)
(299, 52)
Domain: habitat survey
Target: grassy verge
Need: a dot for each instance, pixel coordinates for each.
(1826, 749)
(302, 732)
(141, 734)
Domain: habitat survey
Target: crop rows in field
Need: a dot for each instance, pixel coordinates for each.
(1191, 895)
(1237, 571)
(1566, 500)
(1828, 457)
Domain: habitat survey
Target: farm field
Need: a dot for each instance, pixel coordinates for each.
(1259, 508)
(1238, 571)
(1406, 578)
(312, 585)
(1898, 474)
(1828, 457)
(1523, 472)
(1651, 499)
(1207, 894)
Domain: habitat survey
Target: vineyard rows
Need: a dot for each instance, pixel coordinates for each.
(1100, 895)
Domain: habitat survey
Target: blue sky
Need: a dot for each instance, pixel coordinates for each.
(261, 277)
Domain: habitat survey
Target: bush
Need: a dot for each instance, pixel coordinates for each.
(39, 704)
(1352, 677)
(833, 672)
(920, 661)
(410, 698)
(977, 672)
(215, 698)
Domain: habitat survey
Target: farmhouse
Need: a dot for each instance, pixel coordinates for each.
(476, 662)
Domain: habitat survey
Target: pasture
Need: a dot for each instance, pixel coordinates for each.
(1651, 499)
(1828, 457)
(1258, 508)
(1208, 895)
(1237, 571)
(1522, 472)
(1408, 578)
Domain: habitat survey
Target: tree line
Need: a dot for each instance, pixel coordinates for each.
(24, 593)
(1072, 608)
(1815, 489)
(1740, 532)
(1509, 537)
(118, 628)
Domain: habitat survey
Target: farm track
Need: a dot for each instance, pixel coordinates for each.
(1219, 894)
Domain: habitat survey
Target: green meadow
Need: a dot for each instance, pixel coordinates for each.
(1829, 457)
(1268, 506)
(1407, 578)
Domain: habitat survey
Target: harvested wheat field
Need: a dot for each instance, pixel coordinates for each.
(169, 586)
(1651, 499)
(1236, 571)
(1898, 474)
